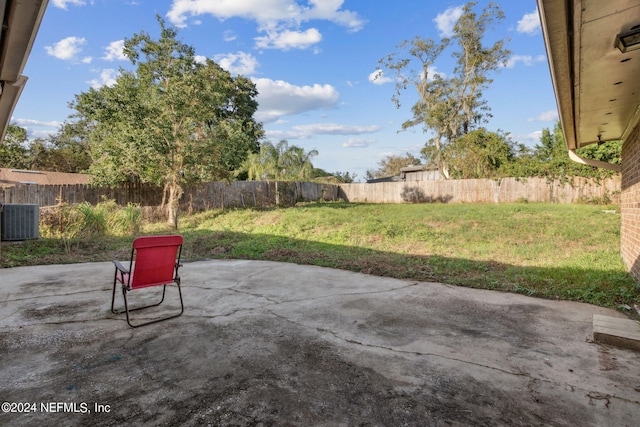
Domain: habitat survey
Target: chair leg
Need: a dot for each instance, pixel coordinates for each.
(124, 292)
(127, 310)
(164, 289)
(113, 295)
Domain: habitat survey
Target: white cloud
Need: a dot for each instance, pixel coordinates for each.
(378, 78)
(280, 20)
(310, 130)
(530, 139)
(266, 12)
(546, 116)
(446, 20)
(229, 36)
(330, 10)
(277, 98)
(107, 77)
(279, 134)
(358, 143)
(114, 52)
(62, 4)
(240, 63)
(37, 128)
(527, 60)
(530, 23)
(31, 122)
(40, 133)
(335, 129)
(67, 48)
(287, 39)
(432, 73)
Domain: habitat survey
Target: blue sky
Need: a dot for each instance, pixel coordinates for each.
(313, 62)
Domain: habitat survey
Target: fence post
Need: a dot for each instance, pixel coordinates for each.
(468, 191)
(0, 236)
(497, 183)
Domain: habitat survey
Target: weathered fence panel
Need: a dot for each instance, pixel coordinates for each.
(195, 198)
(504, 190)
(287, 193)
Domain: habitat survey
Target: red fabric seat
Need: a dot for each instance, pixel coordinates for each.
(155, 261)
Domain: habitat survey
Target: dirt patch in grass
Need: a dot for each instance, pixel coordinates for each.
(376, 264)
(211, 245)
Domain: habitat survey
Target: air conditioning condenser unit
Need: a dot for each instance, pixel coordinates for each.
(19, 222)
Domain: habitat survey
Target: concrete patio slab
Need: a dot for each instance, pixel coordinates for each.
(265, 343)
(615, 331)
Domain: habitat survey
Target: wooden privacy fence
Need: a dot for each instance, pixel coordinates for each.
(504, 190)
(287, 193)
(255, 193)
(197, 197)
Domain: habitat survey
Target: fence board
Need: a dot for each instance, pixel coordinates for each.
(505, 190)
(195, 198)
(287, 193)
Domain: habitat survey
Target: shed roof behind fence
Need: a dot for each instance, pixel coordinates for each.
(11, 177)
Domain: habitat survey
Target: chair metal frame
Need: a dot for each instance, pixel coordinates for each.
(149, 274)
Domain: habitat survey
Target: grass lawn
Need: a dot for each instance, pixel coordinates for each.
(547, 250)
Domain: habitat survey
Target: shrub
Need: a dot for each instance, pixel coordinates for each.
(92, 220)
(127, 220)
(85, 220)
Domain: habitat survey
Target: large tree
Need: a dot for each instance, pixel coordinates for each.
(14, 152)
(65, 151)
(553, 158)
(549, 158)
(61, 152)
(171, 121)
(479, 154)
(449, 106)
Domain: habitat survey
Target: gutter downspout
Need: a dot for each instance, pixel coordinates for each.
(590, 162)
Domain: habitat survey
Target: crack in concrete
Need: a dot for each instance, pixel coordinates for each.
(314, 298)
(272, 301)
(56, 295)
(588, 393)
(58, 322)
(417, 353)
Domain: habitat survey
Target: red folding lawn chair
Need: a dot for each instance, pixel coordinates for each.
(157, 259)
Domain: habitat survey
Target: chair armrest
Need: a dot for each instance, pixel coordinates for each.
(120, 267)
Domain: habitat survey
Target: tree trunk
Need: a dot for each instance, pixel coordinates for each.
(443, 169)
(173, 205)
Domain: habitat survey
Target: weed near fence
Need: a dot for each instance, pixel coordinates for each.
(86, 221)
